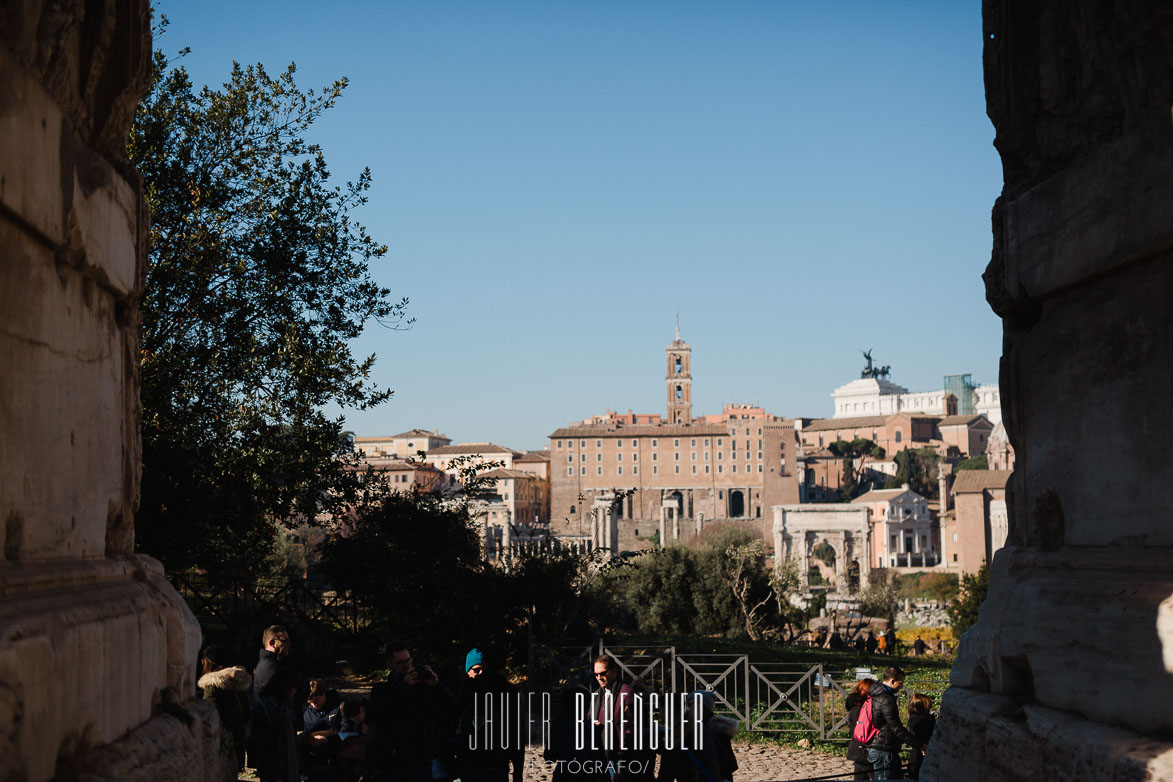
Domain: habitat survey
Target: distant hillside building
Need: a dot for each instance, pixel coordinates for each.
(400, 446)
(903, 531)
(671, 476)
(999, 451)
(980, 522)
(868, 396)
(451, 458)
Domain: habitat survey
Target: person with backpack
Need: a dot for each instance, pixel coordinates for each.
(879, 727)
(856, 752)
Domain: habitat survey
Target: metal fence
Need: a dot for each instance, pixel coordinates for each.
(764, 697)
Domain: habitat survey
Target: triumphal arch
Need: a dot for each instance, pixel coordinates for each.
(798, 529)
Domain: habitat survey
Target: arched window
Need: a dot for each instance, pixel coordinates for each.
(679, 393)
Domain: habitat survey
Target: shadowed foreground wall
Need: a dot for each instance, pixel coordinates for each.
(90, 635)
(1068, 673)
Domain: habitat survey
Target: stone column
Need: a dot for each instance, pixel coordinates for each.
(90, 632)
(1069, 669)
(839, 543)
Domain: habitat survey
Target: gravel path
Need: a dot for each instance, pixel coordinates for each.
(757, 763)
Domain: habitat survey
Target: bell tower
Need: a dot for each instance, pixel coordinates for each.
(679, 380)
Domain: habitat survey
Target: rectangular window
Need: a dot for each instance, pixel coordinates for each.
(706, 456)
(759, 468)
(635, 457)
(570, 471)
(676, 443)
(582, 443)
(706, 442)
(678, 469)
(583, 470)
(693, 454)
(759, 445)
(655, 457)
(694, 442)
(582, 457)
(720, 469)
(559, 443)
(694, 469)
(734, 468)
(720, 455)
(733, 456)
(635, 471)
(759, 454)
(655, 470)
(719, 442)
(759, 431)
(655, 442)
(706, 469)
(618, 457)
(570, 457)
(620, 470)
(598, 470)
(598, 443)
(676, 456)
(635, 443)
(598, 457)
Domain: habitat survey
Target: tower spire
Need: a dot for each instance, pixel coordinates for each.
(677, 325)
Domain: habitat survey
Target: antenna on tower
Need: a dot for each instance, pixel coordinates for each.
(677, 325)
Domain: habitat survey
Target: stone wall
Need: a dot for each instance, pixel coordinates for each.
(1068, 673)
(90, 634)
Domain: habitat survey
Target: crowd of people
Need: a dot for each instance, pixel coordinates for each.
(413, 727)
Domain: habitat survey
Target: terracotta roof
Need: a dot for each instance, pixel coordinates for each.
(877, 495)
(533, 456)
(467, 448)
(970, 481)
(586, 431)
(826, 424)
(959, 420)
(503, 473)
(412, 433)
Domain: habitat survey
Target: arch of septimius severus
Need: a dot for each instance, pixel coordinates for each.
(1069, 672)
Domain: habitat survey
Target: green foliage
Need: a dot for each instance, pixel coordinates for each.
(926, 586)
(918, 467)
(258, 278)
(879, 599)
(855, 455)
(981, 462)
(963, 612)
(719, 587)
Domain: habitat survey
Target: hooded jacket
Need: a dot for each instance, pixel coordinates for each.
(886, 716)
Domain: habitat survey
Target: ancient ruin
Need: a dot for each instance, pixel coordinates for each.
(1069, 672)
(92, 637)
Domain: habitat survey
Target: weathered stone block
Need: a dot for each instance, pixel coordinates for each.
(31, 126)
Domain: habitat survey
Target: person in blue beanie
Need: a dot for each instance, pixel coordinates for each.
(490, 734)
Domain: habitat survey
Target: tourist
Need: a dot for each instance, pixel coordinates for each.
(871, 644)
(921, 723)
(321, 722)
(489, 735)
(228, 687)
(856, 752)
(272, 748)
(715, 754)
(919, 647)
(884, 749)
(891, 641)
(410, 719)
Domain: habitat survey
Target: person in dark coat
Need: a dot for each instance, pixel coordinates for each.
(921, 723)
(871, 643)
(856, 752)
(891, 641)
(272, 748)
(884, 748)
(490, 731)
(274, 654)
(228, 687)
(409, 721)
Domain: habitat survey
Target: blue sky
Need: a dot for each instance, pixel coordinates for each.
(555, 180)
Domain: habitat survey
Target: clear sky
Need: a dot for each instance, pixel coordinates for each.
(556, 180)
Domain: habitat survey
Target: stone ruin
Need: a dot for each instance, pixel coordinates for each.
(1068, 673)
(91, 635)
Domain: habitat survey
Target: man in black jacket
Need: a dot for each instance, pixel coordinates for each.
(274, 651)
(884, 748)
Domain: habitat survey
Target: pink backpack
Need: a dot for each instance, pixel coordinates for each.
(865, 726)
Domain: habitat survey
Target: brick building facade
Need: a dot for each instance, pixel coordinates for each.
(682, 472)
